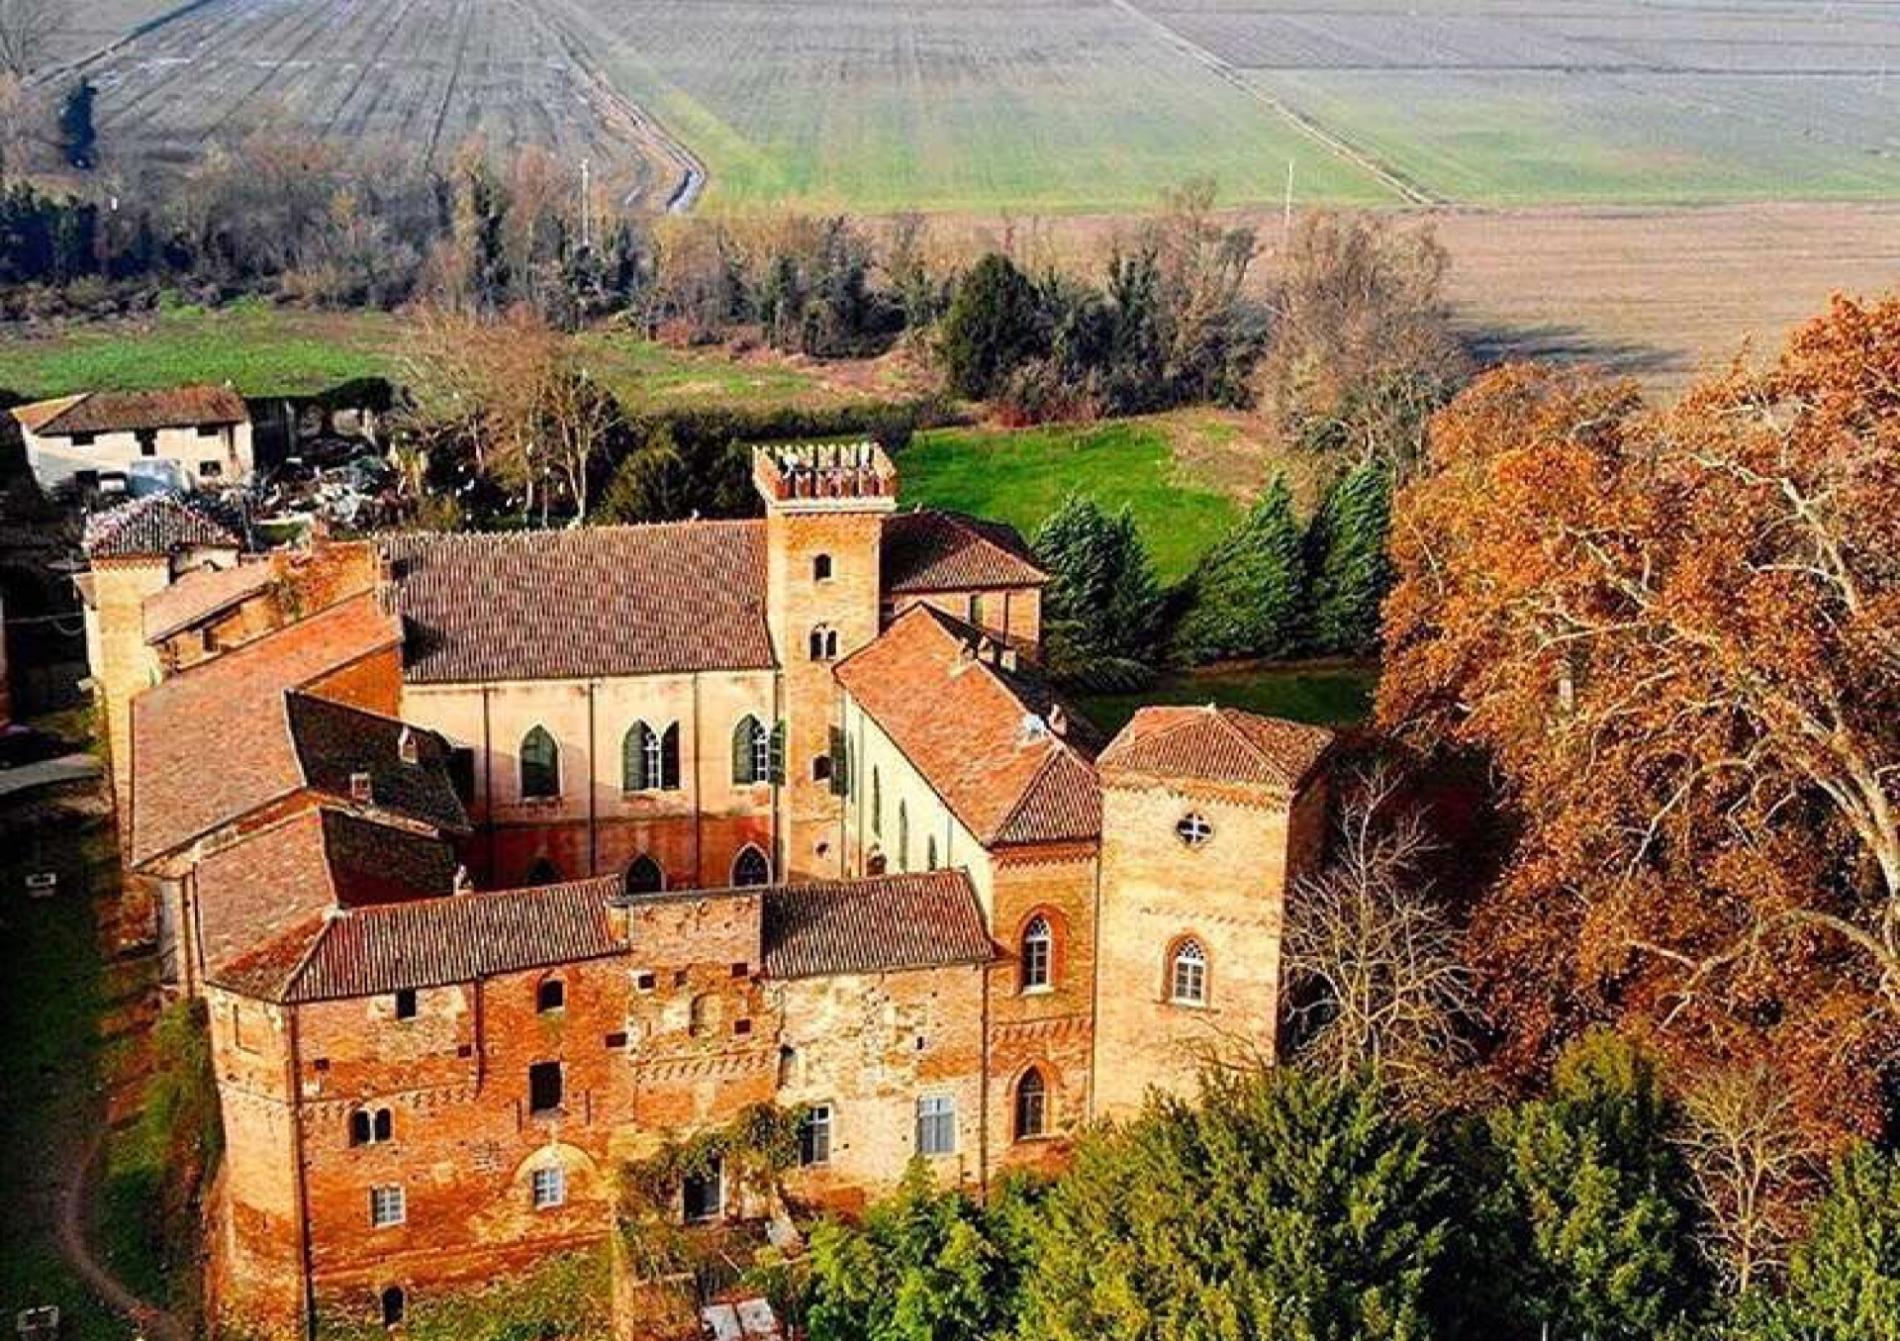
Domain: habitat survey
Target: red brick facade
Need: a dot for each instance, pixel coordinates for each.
(425, 1086)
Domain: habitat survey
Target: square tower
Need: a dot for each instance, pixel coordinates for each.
(825, 507)
(1209, 816)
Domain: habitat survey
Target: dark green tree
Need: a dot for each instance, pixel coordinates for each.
(1348, 573)
(78, 135)
(994, 324)
(924, 1266)
(1284, 1205)
(1844, 1280)
(1587, 1219)
(1247, 597)
(1102, 607)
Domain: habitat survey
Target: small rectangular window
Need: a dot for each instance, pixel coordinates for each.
(644, 982)
(84, 439)
(814, 1136)
(703, 1194)
(936, 1125)
(544, 1088)
(207, 430)
(210, 470)
(387, 1206)
(550, 1188)
(406, 1004)
(616, 1040)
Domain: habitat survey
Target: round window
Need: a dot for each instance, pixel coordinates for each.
(1193, 829)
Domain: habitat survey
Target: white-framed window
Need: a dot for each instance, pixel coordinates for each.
(550, 1187)
(1193, 829)
(937, 1125)
(814, 1136)
(387, 1207)
(1038, 954)
(1187, 974)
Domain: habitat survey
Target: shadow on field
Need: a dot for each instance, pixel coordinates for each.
(1552, 342)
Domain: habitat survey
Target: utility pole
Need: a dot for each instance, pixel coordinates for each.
(586, 205)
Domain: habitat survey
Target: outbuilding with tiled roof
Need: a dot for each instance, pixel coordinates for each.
(192, 435)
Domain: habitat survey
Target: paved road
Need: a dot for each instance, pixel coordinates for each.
(66, 768)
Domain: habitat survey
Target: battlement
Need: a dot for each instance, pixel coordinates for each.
(832, 476)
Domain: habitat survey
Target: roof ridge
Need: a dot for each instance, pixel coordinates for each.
(554, 532)
(1224, 716)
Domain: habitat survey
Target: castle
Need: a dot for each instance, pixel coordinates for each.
(499, 859)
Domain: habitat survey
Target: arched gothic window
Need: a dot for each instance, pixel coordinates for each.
(877, 802)
(930, 853)
(649, 759)
(751, 868)
(903, 836)
(821, 568)
(751, 752)
(394, 1305)
(1187, 974)
(1039, 944)
(1032, 1105)
(540, 764)
(644, 876)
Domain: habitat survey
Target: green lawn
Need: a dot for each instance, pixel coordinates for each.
(1324, 695)
(260, 349)
(641, 373)
(56, 993)
(1021, 476)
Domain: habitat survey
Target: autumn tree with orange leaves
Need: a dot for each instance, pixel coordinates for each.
(1675, 634)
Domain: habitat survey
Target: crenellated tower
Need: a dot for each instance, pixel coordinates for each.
(825, 507)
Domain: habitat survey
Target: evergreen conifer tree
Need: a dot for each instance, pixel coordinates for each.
(1589, 1233)
(993, 326)
(1348, 572)
(1282, 1205)
(1248, 591)
(78, 135)
(1844, 1280)
(1102, 607)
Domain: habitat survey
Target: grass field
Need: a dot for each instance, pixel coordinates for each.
(262, 350)
(1052, 105)
(1021, 476)
(1324, 695)
(282, 351)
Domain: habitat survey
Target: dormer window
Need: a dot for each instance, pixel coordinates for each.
(362, 789)
(406, 747)
(821, 568)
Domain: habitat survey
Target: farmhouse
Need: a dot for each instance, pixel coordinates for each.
(500, 860)
(186, 437)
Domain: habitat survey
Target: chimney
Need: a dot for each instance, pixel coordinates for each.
(462, 883)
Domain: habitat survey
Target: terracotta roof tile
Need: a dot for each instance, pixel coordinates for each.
(598, 600)
(879, 925)
(156, 524)
(393, 947)
(1213, 744)
(280, 877)
(978, 733)
(946, 551)
(211, 744)
(200, 594)
(124, 411)
(335, 742)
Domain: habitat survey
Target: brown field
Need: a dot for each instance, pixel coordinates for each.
(1658, 293)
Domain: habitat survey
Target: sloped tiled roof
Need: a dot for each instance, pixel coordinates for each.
(392, 947)
(125, 411)
(931, 550)
(253, 891)
(978, 733)
(1213, 744)
(597, 600)
(879, 925)
(335, 741)
(211, 744)
(200, 594)
(156, 524)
